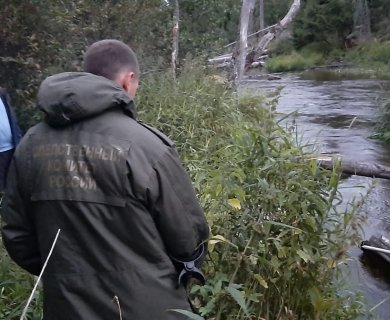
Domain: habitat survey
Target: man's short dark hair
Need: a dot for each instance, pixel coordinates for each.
(109, 57)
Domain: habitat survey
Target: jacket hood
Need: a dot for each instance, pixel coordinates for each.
(72, 96)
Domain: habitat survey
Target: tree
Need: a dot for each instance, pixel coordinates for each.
(175, 33)
(242, 44)
(325, 23)
(361, 20)
(261, 14)
(240, 56)
(206, 26)
(42, 37)
(380, 22)
(274, 32)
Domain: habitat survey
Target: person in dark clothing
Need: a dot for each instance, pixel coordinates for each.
(115, 188)
(10, 136)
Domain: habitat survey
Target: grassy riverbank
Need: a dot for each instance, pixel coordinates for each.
(383, 126)
(373, 57)
(277, 238)
(294, 61)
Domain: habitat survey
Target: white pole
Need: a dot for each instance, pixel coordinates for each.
(375, 249)
(23, 316)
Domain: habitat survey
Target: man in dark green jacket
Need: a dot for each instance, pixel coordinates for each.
(116, 189)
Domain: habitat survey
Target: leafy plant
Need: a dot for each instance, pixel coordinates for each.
(277, 236)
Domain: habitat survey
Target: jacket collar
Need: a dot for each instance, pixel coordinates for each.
(129, 110)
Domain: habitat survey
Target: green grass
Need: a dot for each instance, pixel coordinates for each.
(373, 56)
(15, 288)
(294, 61)
(383, 126)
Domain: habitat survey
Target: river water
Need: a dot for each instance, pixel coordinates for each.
(337, 114)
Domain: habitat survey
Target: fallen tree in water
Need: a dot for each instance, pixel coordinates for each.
(354, 168)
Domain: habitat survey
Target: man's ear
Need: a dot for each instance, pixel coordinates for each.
(122, 80)
(127, 80)
(132, 75)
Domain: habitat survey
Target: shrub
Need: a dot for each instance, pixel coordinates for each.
(276, 237)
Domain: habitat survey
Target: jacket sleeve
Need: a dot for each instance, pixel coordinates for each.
(16, 132)
(175, 207)
(17, 228)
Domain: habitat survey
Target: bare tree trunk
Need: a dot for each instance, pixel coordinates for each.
(261, 14)
(361, 21)
(239, 57)
(275, 32)
(175, 38)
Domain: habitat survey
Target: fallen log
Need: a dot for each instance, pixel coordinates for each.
(355, 168)
(222, 58)
(263, 76)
